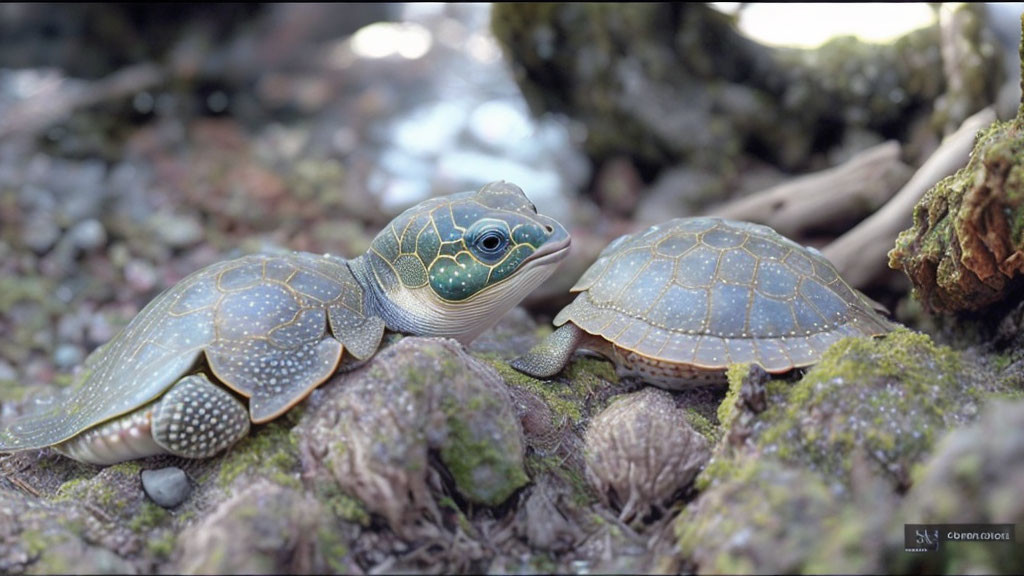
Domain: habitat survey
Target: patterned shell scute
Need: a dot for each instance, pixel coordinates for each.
(260, 320)
(709, 292)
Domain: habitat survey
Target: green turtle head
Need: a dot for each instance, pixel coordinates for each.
(452, 266)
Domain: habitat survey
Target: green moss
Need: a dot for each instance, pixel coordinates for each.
(270, 451)
(482, 467)
(890, 397)
(161, 544)
(460, 516)
(782, 511)
(70, 489)
(950, 264)
(735, 373)
(703, 426)
(101, 490)
(148, 516)
(16, 290)
(333, 549)
(582, 494)
(341, 505)
(593, 372)
(35, 543)
(559, 398)
(12, 391)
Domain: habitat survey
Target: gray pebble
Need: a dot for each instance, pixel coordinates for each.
(168, 487)
(40, 233)
(67, 356)
(176, 230)
(88, 234)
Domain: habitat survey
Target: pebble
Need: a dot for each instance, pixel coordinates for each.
(140, 275)
(176, 230)
(87, 235)
(168, 487)
(7, 373)
(67, 356)
(40, 234)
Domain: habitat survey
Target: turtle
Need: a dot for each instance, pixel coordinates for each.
(676, 304)
(242, 341)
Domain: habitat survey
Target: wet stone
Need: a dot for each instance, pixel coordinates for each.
(168, 487)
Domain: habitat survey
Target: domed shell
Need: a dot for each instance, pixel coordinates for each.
(708, 292)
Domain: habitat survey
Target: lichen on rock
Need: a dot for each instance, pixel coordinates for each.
(264, 529)
(377, 426)
(965, 250)
(976, 475)
(888, 397)
(767, 518)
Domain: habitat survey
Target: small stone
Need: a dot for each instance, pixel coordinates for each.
(140, 275)
(176, 230)
(87, 235)
(7, 372)
(40, 234)
(168, 487)
(67, 356)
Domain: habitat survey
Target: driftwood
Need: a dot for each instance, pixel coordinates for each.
(59, 101)
(861, 254)
(828, 198)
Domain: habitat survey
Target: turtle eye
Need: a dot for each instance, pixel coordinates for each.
(490, 244)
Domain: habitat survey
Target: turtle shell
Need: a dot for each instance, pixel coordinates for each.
(708, 292)
(270, 328)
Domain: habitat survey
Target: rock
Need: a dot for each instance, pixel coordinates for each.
(176, 230)
(966, 247)
(87, 235)
(67, 356)
(546, 519)
(641, 451)
(622, 73)
(767, 518)
(38, 537)
(168, 487)
(976, 474)
(264, 529)
(890, 397)
(40, 233)
(373, 430)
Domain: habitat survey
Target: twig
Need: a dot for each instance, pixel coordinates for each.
(861, 254)
(842, 193)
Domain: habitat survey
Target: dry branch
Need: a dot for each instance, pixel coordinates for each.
(828, 198)
(58, 101)
(861, 254)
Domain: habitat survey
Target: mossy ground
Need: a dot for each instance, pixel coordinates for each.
(269, 450)
(889, 397)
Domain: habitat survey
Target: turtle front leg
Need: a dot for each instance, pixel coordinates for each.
(551, 355)
(193, 419)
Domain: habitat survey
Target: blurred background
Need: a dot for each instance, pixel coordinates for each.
(139, 143)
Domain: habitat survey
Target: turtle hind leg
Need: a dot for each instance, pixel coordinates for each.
(551, 355)
(197, 419)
